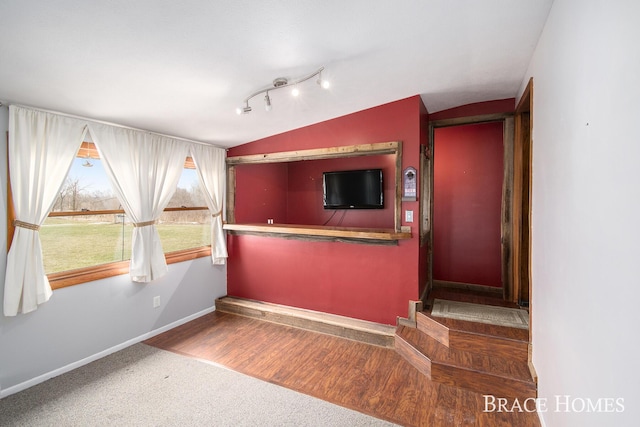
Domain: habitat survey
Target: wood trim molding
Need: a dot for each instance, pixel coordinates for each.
(470, 120)
(532, 369)
(397, 218)
(525, 103)
(467, 286)
(90, 274)
(506, 211)
(427, 211)
(318, 153)
(121, 211)
(327, 323)
(521, 165)
(292, 230)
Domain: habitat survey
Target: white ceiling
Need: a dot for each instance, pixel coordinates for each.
(181, 67)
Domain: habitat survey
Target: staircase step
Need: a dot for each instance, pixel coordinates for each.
(410, 353)
(476, 371)
(456, 334)
(331, 324)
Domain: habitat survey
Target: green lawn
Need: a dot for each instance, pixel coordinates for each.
(70, 244)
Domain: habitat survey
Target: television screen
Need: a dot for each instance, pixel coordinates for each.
(354, 189)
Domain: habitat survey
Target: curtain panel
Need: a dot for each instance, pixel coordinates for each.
(144, 170)
(211, 169)
(42, 147)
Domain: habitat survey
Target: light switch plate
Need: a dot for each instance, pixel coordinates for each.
(408, 216)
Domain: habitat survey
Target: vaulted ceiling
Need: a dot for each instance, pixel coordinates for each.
(182, 67)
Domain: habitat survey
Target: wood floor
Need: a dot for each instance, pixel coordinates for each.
(367, 378)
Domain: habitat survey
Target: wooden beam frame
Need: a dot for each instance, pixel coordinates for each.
(394, 148)
(319, 153)
(521, 166)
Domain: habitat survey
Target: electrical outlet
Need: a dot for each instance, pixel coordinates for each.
(408, 216)
(156, 301)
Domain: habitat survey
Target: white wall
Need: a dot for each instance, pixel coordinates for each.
(586, 210)
(83, 322)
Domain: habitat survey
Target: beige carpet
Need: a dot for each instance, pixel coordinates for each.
(143, 386)
(493, 315)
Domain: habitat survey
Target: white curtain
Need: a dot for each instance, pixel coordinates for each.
(211, 168)
(42, 147)
(144, 170)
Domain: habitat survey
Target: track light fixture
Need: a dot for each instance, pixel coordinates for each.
(279, 83)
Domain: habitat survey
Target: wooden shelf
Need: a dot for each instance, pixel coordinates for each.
(320, 232)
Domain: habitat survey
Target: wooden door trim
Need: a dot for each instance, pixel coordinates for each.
(522, 131)
(525, 106)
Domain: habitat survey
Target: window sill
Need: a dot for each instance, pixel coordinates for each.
(89, 274)
(319, 232)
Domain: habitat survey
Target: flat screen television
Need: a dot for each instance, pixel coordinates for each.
(353, 189)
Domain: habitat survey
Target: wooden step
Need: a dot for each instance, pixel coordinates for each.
(331, 324)
(479, 337)
(476, 371)
(469, 293)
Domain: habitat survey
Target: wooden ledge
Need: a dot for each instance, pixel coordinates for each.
(332, 324)
(366, 235)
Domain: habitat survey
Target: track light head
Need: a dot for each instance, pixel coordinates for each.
(267, 102)
(324, 84)
(244, 110)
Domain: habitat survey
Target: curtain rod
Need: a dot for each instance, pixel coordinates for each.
(5, 104)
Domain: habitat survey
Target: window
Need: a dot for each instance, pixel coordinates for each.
(87, 235)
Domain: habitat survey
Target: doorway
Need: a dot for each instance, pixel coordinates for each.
(467, 183)
(515, 216)
(501, 286)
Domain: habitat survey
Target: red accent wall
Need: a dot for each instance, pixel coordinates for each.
(476, 109)
(304, 205)
(468, 171)
(370, 282)
(264, 193)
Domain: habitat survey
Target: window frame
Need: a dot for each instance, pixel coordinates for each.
(67, 278)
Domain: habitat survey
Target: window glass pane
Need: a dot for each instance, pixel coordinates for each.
(72, 242)
(86, 188)
(184, 230)
(188, 193)
(75, 242)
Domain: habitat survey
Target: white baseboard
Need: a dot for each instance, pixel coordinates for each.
(71, 366)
